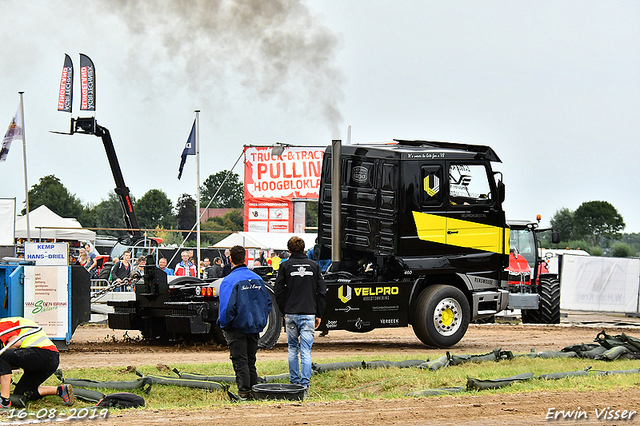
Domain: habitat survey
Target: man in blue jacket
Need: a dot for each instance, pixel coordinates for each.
(244, 310)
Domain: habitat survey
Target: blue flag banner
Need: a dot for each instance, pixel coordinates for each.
(189, 148)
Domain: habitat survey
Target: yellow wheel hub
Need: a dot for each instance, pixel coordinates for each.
(447, 317)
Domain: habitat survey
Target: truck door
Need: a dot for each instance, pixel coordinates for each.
(475, 228)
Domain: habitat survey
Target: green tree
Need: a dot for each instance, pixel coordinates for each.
(233, 221)
(563, 222)
(594, 220)
(311, 214)
(632, 239)
(155, 209)
(620, 249)
(230, 195)
(596, 251)
(186, 217)
(109, 214)
(49, 191)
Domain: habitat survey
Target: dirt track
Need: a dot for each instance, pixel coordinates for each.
(94, 346)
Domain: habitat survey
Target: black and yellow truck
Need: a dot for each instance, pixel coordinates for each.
(416, 233)
(422, 238)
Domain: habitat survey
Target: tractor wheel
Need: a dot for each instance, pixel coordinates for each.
(548, 311)
(269, 336)
(441, 316)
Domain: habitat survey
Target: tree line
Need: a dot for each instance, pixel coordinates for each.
(596, 227)
(154, 210)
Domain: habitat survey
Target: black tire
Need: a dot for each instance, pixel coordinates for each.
(271, 332)
(548, 311)
(441, 316)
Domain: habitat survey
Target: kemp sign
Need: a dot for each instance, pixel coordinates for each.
(271, 182)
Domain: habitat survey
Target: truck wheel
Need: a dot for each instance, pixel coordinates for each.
(442, 316)
(548, 311)
(269, 336)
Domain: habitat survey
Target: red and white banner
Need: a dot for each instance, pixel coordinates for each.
(87, 84)
(272, 182)
(65, 94)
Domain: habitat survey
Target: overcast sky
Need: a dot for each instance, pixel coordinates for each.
(552, 86)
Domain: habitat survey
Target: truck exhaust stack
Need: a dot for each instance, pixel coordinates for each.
(336, 147)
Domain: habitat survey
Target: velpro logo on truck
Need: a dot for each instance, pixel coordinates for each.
(345, 292)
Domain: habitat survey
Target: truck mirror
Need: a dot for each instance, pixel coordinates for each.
(555, 237)
(501, 192)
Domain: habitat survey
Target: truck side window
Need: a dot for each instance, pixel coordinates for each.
(468, 185)
(432, 188)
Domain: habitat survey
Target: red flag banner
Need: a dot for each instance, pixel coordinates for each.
(87, 84)
(65, 95)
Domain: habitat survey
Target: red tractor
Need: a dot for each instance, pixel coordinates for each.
(532, 288)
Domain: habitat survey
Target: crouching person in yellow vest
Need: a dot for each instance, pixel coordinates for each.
(26, 346)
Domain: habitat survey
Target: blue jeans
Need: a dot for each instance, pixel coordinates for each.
(300, 333)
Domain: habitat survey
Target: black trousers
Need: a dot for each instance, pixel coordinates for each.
(243, 348)
(37, 364)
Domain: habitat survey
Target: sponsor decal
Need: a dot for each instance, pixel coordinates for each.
(385, 308)
(360, 174)
(301, 272)
(484, 281)
(431, 184)
(390, 321)
(375, 291)
(359, 323)
(426, 155)
(347, 309)
(332, 324)
(344, 295)
(42, 306)
(87, 84)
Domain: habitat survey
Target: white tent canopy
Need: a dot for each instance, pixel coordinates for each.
(265, 240)
(46, 224)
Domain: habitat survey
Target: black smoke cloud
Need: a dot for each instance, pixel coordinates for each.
(275, 49)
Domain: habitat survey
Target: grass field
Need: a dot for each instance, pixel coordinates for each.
(379, 383)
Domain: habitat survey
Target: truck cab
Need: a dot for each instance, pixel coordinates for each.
(423, 238)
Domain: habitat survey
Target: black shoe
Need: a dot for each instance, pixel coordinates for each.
(18, 401)
(245, 395)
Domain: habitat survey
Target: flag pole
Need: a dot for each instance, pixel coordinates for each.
(198, 187)
(24, 158)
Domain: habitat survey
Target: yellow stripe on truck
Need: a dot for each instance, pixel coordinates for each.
(461, 233)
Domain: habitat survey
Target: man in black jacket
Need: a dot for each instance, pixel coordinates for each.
(300, 294)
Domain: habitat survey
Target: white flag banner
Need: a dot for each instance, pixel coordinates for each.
(13, 132)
